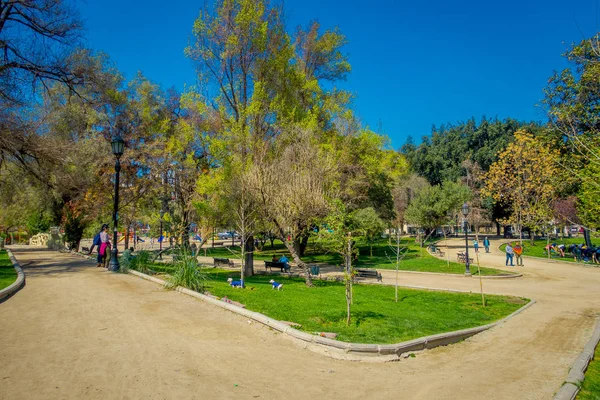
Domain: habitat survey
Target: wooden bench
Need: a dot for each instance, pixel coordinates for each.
(460, 257)
(436, 251)
(222, 262)
(276, 264)
(368, 273)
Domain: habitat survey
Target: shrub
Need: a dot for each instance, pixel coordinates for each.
(139, 262)
(187, 273)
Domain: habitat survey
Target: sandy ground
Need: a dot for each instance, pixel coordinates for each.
(78, 332)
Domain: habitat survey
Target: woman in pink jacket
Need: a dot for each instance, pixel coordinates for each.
(104, 245)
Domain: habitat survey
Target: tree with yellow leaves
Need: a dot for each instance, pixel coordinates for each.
(525, 177)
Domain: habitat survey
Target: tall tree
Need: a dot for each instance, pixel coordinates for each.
(526, 176)
(440, 156)
(433, 206)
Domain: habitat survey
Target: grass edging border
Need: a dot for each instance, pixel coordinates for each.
(18, 284)
(390, 351)
(570, 388)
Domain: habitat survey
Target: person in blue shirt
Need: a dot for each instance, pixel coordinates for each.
(509, 254)
(486, 244)
(284, 260)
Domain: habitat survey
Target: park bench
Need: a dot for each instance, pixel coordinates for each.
(460, 257)
(368, 273)
(85, 249)
(435, 250)
(276, 264)
(222, 262)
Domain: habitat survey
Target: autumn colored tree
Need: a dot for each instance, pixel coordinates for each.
(526, 176)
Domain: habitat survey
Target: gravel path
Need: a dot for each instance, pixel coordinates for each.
(79, 332)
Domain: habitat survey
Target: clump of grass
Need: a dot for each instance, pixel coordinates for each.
(125, 261)
(140, 262)
(187, 273)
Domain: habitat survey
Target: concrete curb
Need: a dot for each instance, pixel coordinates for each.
(473, 275)
(344, 350)
(18, 284)
(571, 387)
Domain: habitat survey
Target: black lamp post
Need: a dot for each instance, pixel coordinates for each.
(465, 213)
(118, 146)
(162, 213)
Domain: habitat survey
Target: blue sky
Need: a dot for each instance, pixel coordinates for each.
(415, 64)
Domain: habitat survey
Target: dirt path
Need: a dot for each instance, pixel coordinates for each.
(79, 332)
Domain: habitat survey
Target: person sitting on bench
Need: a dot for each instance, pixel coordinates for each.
(284, 260)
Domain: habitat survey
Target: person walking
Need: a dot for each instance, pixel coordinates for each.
(509, 254)
(104, 249)
(486, 244)
(518, 249)
(476, 245)
(96, 243)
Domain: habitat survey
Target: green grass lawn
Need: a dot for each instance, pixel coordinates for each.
(7, 272)
(376, 317)
(539, 247)
(416, 258)
(590, 390)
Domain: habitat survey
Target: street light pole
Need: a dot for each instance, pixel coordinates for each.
(118, 145)
(465, 212)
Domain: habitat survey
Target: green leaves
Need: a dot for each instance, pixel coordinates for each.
(434, 205)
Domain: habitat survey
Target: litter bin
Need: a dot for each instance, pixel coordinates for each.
(314, 270)
(1, 242)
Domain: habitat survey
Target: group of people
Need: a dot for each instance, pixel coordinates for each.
(514, 251)
(102, 242)
(486, 245)
(579, 252)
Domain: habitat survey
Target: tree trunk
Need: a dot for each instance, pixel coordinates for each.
(348, 278)
(126, 236)
(497, 228)
(290, 247)
(586, 235)
(300, 244)
(249, 259)
(397, 264)
(447, 250)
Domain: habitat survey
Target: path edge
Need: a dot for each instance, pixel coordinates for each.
(345, 350)
(18, 284)
(572, 385)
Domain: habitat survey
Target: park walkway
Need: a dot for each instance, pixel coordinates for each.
(76, 331)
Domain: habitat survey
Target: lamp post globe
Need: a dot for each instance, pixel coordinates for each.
(465, 212)
(118, 147)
